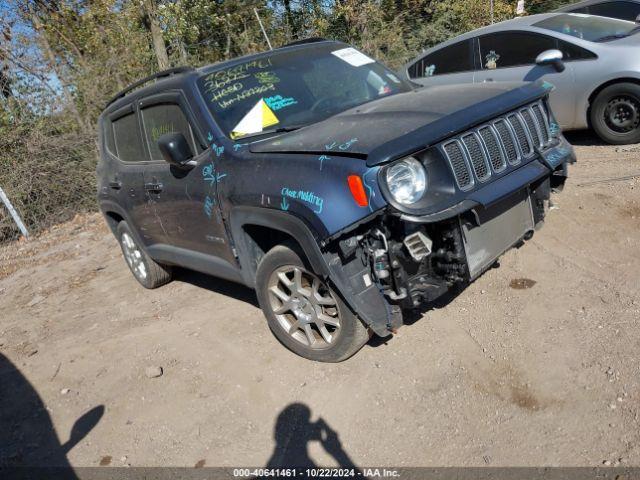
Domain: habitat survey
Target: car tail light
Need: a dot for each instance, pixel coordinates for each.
(357, 190)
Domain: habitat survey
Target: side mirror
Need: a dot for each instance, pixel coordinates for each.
(638, 19)
(175, 150)
(551, 57)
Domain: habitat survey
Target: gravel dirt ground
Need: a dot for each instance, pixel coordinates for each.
(534, 364)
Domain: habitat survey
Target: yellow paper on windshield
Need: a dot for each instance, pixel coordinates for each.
(256, 120)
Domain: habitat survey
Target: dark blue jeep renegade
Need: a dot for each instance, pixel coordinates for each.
(315, 175)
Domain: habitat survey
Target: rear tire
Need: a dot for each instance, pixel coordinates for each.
(304, 313)
(615, 114)
(146, 271)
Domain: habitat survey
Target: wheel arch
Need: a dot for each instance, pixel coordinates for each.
(256, 230)
(113, 219)
(114, 214)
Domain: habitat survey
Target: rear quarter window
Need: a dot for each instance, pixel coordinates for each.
(574, 52)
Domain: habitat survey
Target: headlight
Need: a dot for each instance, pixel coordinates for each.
(407, 181)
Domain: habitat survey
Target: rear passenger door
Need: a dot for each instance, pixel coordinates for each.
(185, 204)
(124, 180)
(449, 65)
(511, 56)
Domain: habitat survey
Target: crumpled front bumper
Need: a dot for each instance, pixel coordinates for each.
(530, 181)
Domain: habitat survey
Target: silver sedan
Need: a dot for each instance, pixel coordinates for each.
(593, 62)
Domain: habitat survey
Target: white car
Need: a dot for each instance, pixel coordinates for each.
(593, 62)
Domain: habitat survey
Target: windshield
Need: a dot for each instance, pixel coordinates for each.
(588, 27)
(290, 89)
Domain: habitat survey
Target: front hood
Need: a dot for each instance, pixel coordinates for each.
(402, 124)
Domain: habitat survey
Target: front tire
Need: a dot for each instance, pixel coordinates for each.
(615, 114)
(146, 271)
(304, 313)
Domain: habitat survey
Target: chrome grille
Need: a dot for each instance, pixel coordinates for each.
(523, 140)
(458, 164)
(493, 149)
(487, 150)
(476, 154)
(508, 142)
(541, 118)
(531, 126)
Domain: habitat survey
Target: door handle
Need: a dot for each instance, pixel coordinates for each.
(153, 187)
(488, 79)
(115, 184)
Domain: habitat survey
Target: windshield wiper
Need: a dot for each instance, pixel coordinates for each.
(634, 30)
(290, 128)
(606, 38)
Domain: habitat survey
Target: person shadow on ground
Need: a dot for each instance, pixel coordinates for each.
(294, 430)
(29, 445)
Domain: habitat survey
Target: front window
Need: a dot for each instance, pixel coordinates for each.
(587, 27)
(512, 49)
(165, 118)
(289, 89)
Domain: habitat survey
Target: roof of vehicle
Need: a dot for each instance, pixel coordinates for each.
(175, 76)
(586, 3)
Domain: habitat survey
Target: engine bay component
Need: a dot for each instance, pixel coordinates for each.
(419, 245)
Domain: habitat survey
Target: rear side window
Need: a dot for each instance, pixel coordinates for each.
(127, 141)
(452, 59)
(512, 49)
(620, 9)
(161, 119)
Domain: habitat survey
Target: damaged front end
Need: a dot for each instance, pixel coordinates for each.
(489, 189)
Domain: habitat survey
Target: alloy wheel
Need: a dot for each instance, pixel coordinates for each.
(133, 256)
(304, 307)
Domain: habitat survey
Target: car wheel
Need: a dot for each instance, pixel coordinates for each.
(303, 311)
(615, 114)
(149, 273)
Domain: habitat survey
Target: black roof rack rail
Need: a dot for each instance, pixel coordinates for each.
(155, 76)
(306, 40)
